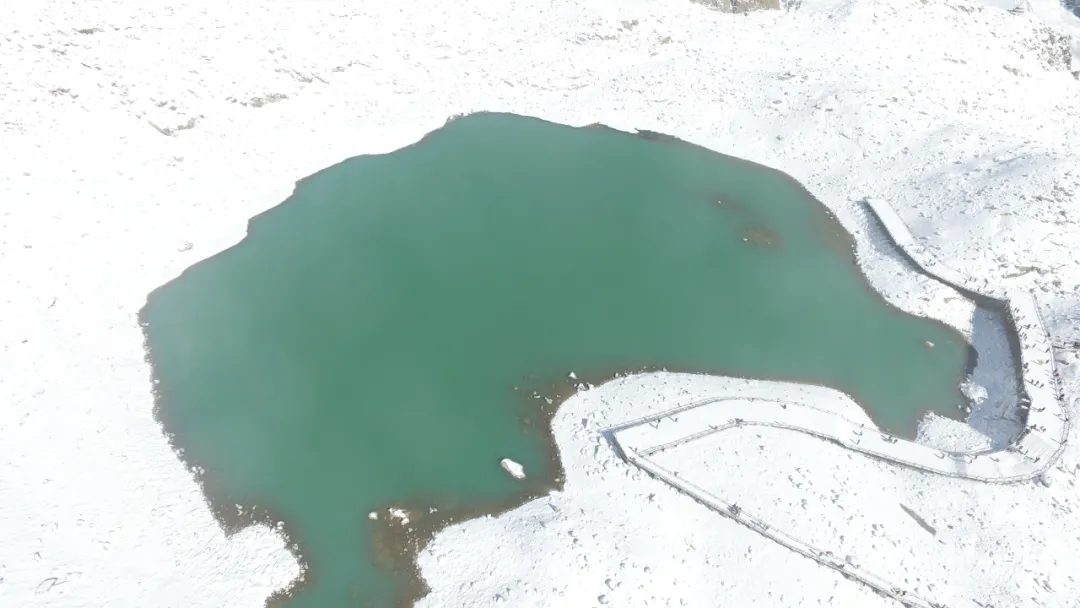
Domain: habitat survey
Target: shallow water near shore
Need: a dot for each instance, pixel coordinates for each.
(398, 325)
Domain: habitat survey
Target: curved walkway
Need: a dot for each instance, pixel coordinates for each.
(1030, 455)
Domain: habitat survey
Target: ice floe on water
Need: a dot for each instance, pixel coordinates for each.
(513, 468)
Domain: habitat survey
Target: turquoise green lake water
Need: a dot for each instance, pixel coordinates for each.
(362, 346)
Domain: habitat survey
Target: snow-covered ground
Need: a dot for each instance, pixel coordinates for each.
(136, 139)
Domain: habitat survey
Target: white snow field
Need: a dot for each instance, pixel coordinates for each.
(138, 138)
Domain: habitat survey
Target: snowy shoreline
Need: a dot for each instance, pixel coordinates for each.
(1033, 453)
(967, 121)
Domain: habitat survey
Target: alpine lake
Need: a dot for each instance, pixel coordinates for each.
(402, 322)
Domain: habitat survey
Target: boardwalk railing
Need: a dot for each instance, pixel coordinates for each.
(1037, 448)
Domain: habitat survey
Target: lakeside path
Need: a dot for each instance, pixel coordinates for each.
(1027, 457)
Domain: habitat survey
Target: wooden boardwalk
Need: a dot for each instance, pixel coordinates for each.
(1030, 455)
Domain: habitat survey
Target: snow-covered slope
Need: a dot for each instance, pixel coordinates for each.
(136, 139)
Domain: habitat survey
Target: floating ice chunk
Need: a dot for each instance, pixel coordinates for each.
(373, 516)
(399, 514)
(976, 393)
(514, 469)
(928, 344)
(572, 376)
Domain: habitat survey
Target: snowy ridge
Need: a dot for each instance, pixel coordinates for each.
(1038, 447)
